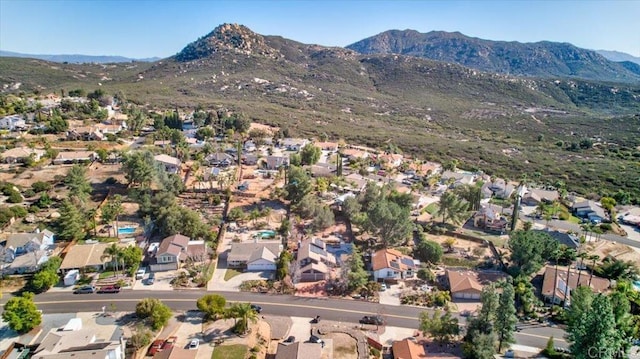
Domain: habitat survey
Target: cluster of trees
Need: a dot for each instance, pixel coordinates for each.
(155, 313)
(311, 207)
(530, 250)
(47, 276)
(443, 327)
(7, 213)
(309, 155)
(600, 321)
(75, 215)
(21, 313)
(11, 191)
(381, 211)
(491, 329)
(123, 257)
(215, 307)
(428, 251)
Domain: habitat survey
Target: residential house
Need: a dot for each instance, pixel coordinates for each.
(162, 143)
(327, 146)
(390, 160)
(498, 189)
(28, 263)
(322, 170)
(85, 133)
(407, 349)
(298, 350)
(356, 181)
(535, 196)
(18, 244)
(276, 162)
(293, 144)
(249, 160)
(112, 128)
(172, 251)
(425, 169)
(390, 264)
(21, 154)
(563, 287)
(13, 123)
(219, 159)
(72, 157)
(255, 256)
(249, 146)
(314, 261)
(85, 257)
(468, 284)
(456, 179)
(71, 342)
(171, 164)
(490, 219)
(589, 210)
(563, 238)
(353, 154)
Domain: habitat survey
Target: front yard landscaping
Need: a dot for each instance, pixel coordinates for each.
(236, 351)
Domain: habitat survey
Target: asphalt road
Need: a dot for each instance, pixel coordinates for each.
(568, 226)
(347, 311)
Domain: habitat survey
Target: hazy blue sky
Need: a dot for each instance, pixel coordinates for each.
(163, 27)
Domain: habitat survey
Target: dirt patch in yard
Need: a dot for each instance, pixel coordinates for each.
(616, 250)
(462, 245)
(344, 346)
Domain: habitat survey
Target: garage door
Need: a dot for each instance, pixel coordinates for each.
(261, 266)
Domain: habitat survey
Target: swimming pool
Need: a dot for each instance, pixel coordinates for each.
(266, 234)
(126, 230)
(636, 285)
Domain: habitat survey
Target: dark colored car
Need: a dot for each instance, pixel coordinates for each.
(151, 279)
(314, 339)
(256, 308)
(109, 289)
(155, 347)
(375, 319)
(290, 339)
(169, 343)
(87, 289)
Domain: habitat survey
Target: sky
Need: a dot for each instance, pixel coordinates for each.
(161, 28)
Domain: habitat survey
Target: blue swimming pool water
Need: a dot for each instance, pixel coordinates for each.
(126, 230)
(636, 284)
(267, 234)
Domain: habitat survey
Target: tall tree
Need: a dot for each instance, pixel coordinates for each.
(298, 184)
(77, 182)
(310, 154)
(530, 249)
(245, 313)
(71, 222)
(155, 312)
(356, 276)
(595, 328)
(505, 315)
(452, 208)
(441, 326)
(113, 253)
(389, 221)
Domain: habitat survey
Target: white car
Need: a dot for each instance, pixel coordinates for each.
(383, 287)
(194, 344)
(140, 273)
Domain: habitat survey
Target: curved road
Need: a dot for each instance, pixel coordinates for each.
(348, 311)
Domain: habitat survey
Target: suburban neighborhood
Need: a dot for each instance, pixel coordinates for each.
(105, 203)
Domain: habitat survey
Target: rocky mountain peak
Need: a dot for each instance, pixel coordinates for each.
(226, 37)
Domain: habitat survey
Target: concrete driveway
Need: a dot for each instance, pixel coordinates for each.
(218, 283)
(391, 296)
(162, 281)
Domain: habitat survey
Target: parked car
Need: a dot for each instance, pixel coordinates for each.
(169, 343)
(155, 347)
(153, 247)
(509, 354)
(87, 289)
(290, 339)
(315, 339)
(374, 319)
(140, 273)
(383, 287)
(194, 344)
(151, 279)
(256, 308)
(109, 289)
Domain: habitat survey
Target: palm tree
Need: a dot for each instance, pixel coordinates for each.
(556, 256)
(582, 256)
(570, 253)
(112, 252)
(452, 207)
(245, 313)
(594, 258)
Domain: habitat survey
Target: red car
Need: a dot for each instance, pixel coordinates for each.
(155, 347)
(109, 289)
(168, 344)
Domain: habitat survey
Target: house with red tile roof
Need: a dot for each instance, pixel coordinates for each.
(390, 264)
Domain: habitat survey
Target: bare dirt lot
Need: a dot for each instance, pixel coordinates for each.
(460, 245)
(618, 251)
(344, 346)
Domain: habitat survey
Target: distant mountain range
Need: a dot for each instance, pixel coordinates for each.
(539, 59)
(619, 56)
(77, 59)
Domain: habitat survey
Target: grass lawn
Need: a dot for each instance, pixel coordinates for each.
(574, 219)
(230, 273)
(236, 351)
(106, 274)
(432, 208)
